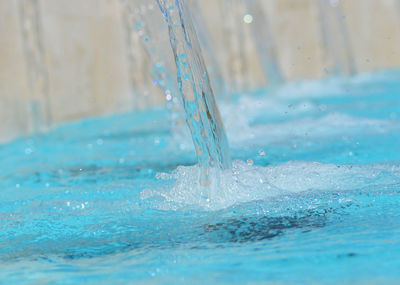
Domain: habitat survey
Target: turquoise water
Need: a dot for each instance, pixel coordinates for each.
(313, 196)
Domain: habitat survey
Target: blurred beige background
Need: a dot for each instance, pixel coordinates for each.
(62, 60)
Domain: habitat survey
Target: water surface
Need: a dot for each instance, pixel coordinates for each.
(313, 196)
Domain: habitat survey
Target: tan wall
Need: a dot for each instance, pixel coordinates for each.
(85, 57)
(65, 59)
(14, 91)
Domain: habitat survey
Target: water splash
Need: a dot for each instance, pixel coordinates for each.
(246, 182)
(202, 114)
(153, 48)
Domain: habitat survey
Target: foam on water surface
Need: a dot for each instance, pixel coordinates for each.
(246, 182)
(333, 125)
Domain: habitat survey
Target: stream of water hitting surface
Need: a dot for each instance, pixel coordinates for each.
(202, 114)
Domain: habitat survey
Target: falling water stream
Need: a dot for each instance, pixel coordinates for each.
(209, 49)
(202, 114)
(161, 72)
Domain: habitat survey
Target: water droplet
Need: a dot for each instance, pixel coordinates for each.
(248, 19)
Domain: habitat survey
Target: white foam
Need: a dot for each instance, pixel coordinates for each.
(329, 126)
(246, 183)
(336, 86)
(271, 119)
(250, 109)
(276, 118)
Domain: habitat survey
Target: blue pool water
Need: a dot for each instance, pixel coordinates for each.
(313, 195)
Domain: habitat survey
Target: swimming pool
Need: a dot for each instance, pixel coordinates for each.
(313, 196)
